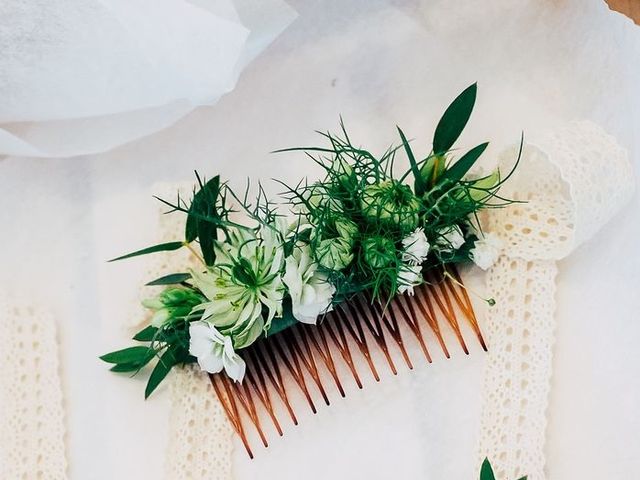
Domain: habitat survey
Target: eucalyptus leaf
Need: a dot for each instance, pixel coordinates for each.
(162, 247)
(454, 120)
(486, 472)
(171, 279)
(419, 184)
(146, 335)
(459, 169)
(128, 355)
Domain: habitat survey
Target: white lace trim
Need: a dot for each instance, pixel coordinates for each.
(574, 181)
(200, 441)
(31, 411)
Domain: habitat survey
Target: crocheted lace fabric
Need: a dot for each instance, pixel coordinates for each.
(200, 443)
(574, 181)
(31, 411)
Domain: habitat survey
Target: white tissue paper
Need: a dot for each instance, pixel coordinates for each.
(80, 77)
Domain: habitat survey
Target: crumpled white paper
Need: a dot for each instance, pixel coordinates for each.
(80, 77)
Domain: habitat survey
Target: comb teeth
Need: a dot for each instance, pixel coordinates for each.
(349, 340)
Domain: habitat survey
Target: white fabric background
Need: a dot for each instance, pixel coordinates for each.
(377, 63)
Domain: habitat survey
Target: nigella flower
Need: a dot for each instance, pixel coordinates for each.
(391, 203)
(486, 251)
(310, 290)
(334, 250)
(416, 247)
(214, 351)
(245, 278)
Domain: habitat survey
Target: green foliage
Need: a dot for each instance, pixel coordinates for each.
(162, 247)
(171, 279)
(203, 220)
(454, 120)
(420, 182)
(486, 471)
(168, 344)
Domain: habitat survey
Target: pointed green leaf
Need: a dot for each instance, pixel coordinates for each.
(486, 472)
(203, 207)
(128, 355)
(454, 120)
(523, 478)
(146, 334)
(171, 279)
(459, 169)
(162, 247)
(129, 367)
(419, 184)
(166, 362)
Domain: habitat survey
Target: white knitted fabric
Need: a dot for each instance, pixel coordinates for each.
(200, 442)
(573, 182)
(31, 411)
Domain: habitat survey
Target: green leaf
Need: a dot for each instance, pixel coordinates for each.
(282, 323)
(160, 371)
(162, 247)
(459, 169)
(523, 478)
(419, 184)
(486, 472)
(146, 334)
(129, 367)
(128, 355)
(454, 120)
(171, 279)
(198, 225)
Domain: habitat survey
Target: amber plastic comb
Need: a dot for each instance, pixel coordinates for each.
(295, 361)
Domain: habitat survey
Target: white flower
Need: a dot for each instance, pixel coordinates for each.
(214, 351)
(246, 277)
(409, 276)
(486, 251)
(416, 247)
(310, 290)
(450, 238)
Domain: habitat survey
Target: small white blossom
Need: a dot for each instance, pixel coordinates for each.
(214, 351)
(409, 276)
(310, 290)
(416, 247)
(450, 238)
(486, 251)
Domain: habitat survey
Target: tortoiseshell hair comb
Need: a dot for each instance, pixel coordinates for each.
(294, 361)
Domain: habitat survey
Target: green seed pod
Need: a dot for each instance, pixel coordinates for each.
(391, 204)
(379, 252)
(342, 172)
(334, 253)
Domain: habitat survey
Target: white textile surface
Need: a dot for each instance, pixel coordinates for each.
(378, 63)
(83, 76)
